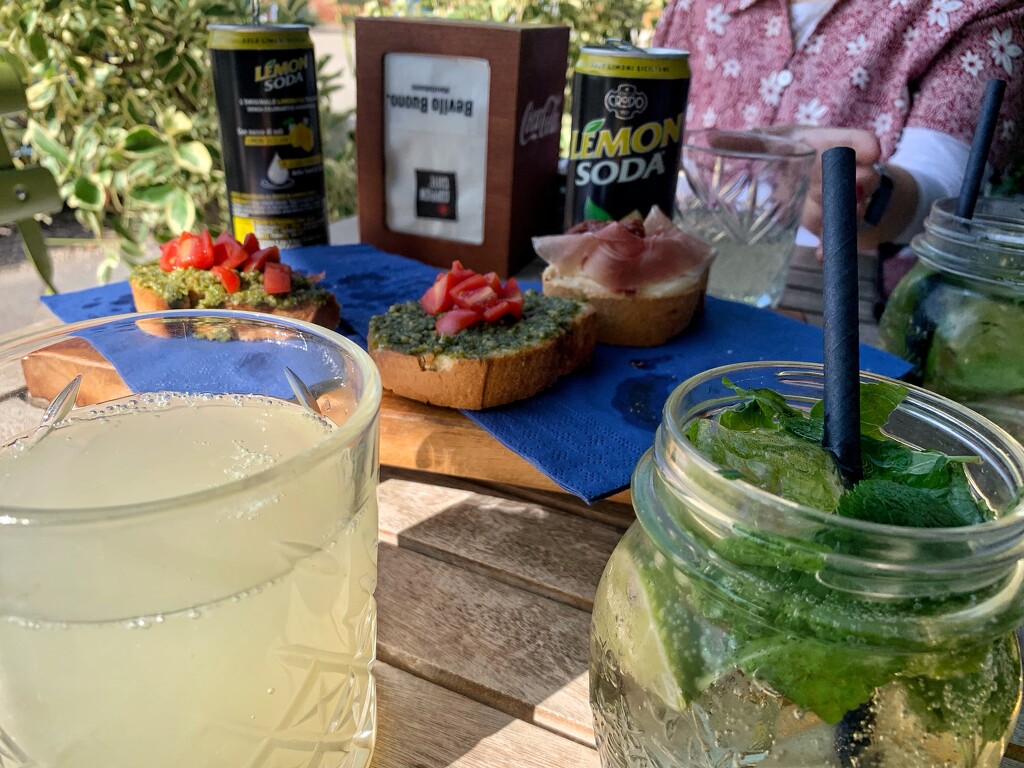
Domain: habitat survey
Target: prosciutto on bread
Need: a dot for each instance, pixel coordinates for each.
(646, 278)
(622, 259)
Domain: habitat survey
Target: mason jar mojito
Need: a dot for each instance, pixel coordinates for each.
(187, 566)
(761, 613)
(958, 315)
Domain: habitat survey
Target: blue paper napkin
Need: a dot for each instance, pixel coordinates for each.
(588, 431)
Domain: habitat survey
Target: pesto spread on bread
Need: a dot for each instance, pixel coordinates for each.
(408, 329)
(176, 287)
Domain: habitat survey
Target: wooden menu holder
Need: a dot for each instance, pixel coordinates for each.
(527, 78)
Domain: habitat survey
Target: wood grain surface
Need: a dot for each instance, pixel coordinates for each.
(550, 553)
(422, 725)
(515, 651)
(449, 623)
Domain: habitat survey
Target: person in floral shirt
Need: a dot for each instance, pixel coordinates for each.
(901, 81)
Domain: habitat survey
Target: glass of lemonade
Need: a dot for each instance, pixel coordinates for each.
(743, 192)
(735, 627)
(188, 541)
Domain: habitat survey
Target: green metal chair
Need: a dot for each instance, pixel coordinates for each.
(25, 192)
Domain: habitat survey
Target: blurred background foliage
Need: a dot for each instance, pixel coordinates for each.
(121, 106)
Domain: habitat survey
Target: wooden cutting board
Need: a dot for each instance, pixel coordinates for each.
(413, 435)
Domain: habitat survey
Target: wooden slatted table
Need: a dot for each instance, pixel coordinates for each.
(485, 591)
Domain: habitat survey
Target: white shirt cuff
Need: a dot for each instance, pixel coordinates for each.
(937, 162)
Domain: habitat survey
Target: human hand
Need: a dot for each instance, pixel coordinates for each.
(865, 145)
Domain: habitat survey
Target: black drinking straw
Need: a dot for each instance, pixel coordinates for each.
(979, 148)
(842, 336)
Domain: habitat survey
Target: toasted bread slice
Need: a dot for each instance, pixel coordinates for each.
(314, 306)
(634, 320)
(444, 371)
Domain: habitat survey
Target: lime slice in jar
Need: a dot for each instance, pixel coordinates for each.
(647, 625)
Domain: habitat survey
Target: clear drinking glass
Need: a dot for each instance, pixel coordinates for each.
(958, 315)
(743, 192)
(188, 544)
(732, 627)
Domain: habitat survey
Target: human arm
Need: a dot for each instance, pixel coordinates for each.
(926, 165)
(868, 152)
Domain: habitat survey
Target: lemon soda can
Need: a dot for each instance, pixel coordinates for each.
(628, 112)
(264, 80)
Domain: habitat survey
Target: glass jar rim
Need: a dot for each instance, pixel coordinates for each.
(359, 419)
(989, 246)
(722, 531)
(771, 146)
(1007, 529)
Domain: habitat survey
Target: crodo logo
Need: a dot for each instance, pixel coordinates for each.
(625, 101)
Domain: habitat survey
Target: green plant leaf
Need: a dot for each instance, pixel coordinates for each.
(180, 211)
(46, 143)
(153, 194)
(175, 124)
(175, 73)
(593, 126)
(40, 94)
(37, 45)
(143, 139)
(142, 171)
(87, 194)
(134, 107)
(195, 157)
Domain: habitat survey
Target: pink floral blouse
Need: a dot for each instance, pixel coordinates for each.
(881, 65)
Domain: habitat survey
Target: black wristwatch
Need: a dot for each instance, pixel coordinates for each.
(879, 199)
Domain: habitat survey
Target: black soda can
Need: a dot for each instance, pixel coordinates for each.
(264, 79)
(628, 115)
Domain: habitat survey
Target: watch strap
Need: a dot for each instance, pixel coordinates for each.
(879, 200)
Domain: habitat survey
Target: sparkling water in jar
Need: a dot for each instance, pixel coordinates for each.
(739, 626)
(958, 315)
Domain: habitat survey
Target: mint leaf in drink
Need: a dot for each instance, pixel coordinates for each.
(976, 700)
(766, 441)
(892, 503)
(795, 666)
(783, 617)
(775, 461)
(877, 402)
(765, 408)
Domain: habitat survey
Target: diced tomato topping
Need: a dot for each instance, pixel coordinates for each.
(466, 297)
(494, 281)
(277, 278)
(497, 311)
(477, 298)
(251, 243)
(513, 294)
(470, 283)
(478, 291)
(228, 252)
(455, 320)
(459, 272)
(206, 254)
(169, 255)
(260, 259)
(438, 298)
(227, 276)
(511, 289)
(194, 251)
(515, 306)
